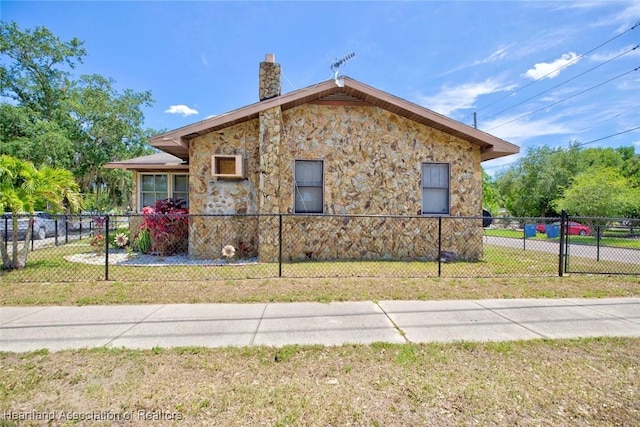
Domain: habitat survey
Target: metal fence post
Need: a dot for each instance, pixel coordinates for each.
(598, 231)
(563, 220)
(279, 245)
(439, 246)
(106, 248)
(6, 232)
(32, 221)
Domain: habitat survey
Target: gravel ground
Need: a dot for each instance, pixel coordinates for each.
(124, 258)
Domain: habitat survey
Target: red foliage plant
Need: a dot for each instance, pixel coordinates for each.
(168, 225)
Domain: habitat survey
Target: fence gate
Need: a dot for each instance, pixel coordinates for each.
(599, 246)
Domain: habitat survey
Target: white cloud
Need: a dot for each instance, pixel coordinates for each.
(204, 60)
(450, 99)
(602, 57)
(550, 70)
(520, 130)
(624, 18)
(181, 109)
(499, 54)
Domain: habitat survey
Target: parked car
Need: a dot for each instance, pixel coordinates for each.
(76, 222)
(573, 228)
(577, 228)
(44, 224)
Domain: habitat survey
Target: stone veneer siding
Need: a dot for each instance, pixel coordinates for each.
(372, 166)
(270, 84)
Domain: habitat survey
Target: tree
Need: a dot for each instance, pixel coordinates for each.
(109, 127)
(600, 193)
(23, 187)
(63, 121)
(537, 180)
(530, 187)
(33, 77)
(27, 136)
(491, 199)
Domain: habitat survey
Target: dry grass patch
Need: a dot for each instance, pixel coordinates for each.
(565, 382)
(322, 290)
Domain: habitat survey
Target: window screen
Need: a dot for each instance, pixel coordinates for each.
(435, 188)
(308, 186)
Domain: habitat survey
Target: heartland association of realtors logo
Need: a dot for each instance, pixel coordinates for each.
(91, 416)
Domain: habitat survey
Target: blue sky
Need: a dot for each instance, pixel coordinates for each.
(535, 72)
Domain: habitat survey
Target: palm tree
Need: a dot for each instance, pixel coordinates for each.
(22, 188)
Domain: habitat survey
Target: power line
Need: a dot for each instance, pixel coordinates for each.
(637, 24)
(610, 118)
(560, 84)
(607, 137)
(562, 100)
(577, 145)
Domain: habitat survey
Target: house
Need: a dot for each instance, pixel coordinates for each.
(338, 147)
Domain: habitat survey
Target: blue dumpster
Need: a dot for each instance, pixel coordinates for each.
(529, 230)
(553, 231)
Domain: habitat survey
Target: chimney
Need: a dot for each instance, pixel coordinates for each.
(270, 85)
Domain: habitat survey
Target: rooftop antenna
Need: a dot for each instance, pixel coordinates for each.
(335, 67)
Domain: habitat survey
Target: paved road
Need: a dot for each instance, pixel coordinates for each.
(277, 324)
(631, 256)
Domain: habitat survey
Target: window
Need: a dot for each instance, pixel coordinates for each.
(435, 188)
(309, 186)
(162, 186)
(181, 187)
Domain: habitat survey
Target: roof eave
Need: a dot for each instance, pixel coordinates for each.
(176, 142)
(146, 166)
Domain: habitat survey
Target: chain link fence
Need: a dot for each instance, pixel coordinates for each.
(159, 248)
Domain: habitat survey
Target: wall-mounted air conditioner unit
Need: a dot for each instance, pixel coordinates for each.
(227, 166)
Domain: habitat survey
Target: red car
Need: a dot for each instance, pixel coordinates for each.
(573, 228)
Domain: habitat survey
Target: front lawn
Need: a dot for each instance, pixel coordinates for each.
(607, 240)
(561, 382)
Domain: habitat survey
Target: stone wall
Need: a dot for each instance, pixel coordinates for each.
(374, 237)
(372, 160)
(215, 196)
(209, 234)
(269, 78)
(372, 166)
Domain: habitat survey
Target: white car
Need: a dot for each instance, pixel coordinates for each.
(44, 224)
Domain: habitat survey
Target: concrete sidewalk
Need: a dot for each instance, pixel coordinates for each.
(277, 324)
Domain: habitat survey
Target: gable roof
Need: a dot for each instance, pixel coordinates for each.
(157, 161)
(176, 142)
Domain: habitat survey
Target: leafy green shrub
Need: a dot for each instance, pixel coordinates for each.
(168, 226)
(143, 241)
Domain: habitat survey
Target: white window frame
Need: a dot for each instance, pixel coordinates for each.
(170, 185)
(444, 187)
(296, 188)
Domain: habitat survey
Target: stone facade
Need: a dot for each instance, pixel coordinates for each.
(269, 74)
(372, 166)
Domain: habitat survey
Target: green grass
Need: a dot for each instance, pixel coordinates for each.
(49, 265)
(607, 240)
(540, 382)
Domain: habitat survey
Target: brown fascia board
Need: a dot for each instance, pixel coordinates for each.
(176, 142)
